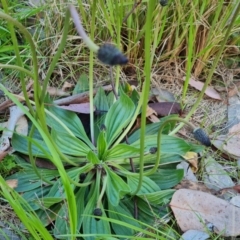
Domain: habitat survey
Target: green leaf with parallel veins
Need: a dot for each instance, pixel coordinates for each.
(47, 216)
(121, 151)
(118, 116)
(80, 199)
(101, 145)
(70, 145)
(34, 197)
(122, 214)
(39, 147)
(49, 201)
(70, 120)
(148, 186)
(167, 178)
(110, 99)
(146, 213)
(152, 129)
(61, 225)
(92, 158)
(150, 159)
(75, 172)
(157, 197)
(100, 100)
(90, 224)
(169, 144)
(116, 187)
(28, 180)
(82, 84)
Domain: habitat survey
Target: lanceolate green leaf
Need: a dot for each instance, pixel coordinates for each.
(121, 151)
(101, 145)
(110, 99)
(57, 191)
(70, 145)
(90, 224)
(28, 180)
(61, 225)
(152, 129)
(116, 187)
(47, 216)
(150, 159)
(82, 84)
(159, 197)
(128, 218)
(167, 178)
(92, 158)
(100, 100)
(80, 199)
(118, 117)
(39, 148)
(148, 186)
(49, 201)
(146, 211)
(169, 144)
(35, 196)
(74, 173)
(70, 120)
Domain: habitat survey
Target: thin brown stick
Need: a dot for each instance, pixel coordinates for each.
(112, 83)
(132, 10)
(78, 98)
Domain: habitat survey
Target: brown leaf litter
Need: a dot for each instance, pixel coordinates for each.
(198, 210)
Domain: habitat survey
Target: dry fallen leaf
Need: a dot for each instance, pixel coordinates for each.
(192, 158)
(67, 86)
(210, 91)
(232, 145)
(41, 163)
(57, 92)
(215, 176)
(12, 183)
(4, 143)
(194, 235)
(22, 126)
(229, 143)
(237, 188)
(198, 210)
(162, 95)
(152, 115)
(186, 184)
(188, 173)
(232, 92)
(165, 108)
(79, 108)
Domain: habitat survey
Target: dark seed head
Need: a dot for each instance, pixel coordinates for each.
(202, 137)
(163, 2)
(82, 177)
(153, 150)
(97, 212)
(110, 55)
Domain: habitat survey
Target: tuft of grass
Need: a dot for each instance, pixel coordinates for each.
(184, 32)
(8, 166)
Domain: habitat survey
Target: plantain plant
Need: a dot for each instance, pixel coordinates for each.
(103, 177)
(111, 181)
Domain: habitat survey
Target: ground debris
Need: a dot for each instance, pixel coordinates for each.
(196, 210)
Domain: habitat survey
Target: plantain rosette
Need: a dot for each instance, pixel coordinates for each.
(101, 175)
